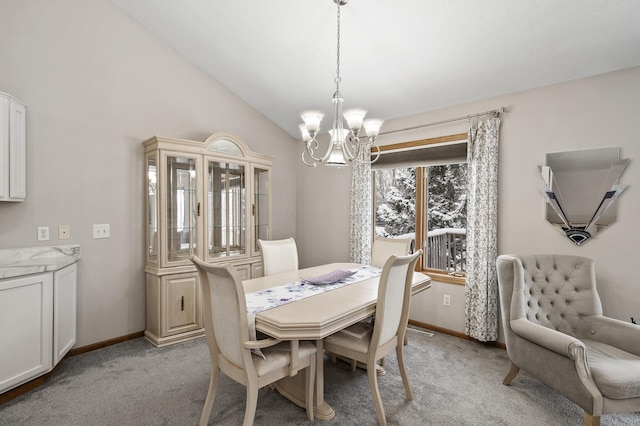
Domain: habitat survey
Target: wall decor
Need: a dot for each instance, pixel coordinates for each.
(580, 188)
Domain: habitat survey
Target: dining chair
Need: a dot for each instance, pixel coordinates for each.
(230, 345)
(388, 329)
(384, 247)
(381, 250)
(278, 256)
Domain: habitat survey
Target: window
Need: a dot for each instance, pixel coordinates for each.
(426, 198)
(446, 212)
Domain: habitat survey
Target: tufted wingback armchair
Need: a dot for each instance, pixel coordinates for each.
(555, 331)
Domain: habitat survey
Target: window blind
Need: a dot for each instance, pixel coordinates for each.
(428, 155)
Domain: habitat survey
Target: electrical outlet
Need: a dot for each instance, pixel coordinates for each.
(101, 231)
(64, 232)
(43, 233)
(446, 300)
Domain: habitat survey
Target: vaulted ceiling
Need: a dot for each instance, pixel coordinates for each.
(398, 57)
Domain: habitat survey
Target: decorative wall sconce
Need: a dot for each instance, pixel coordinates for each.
(580, 188)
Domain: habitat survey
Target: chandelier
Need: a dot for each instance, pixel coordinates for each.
(346, 144)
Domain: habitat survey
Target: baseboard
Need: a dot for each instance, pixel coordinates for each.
(454, 333)
(104, 344)
(39, 381)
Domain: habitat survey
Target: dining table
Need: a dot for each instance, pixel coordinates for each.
(316, 317)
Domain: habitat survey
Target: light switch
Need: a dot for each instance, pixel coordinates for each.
(101, 231)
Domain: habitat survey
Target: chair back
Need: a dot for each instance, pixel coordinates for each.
(278, 256)
(225, 311)
(556, 291)
(394, 298)
(383, 248)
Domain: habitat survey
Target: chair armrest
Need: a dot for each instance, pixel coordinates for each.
(259, 344)
(553, 340)
(614, 332)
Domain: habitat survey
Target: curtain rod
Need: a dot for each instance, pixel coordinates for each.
(466, 117)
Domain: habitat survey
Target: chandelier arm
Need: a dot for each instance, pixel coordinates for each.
(327, 154)
(373, 148)
(377, 153)
(305, 161)
(315, 142)
(352, 149)
(309, 151)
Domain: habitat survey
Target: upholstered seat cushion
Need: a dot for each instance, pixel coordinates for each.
(616, 372)
(279, 356)
(355, 341)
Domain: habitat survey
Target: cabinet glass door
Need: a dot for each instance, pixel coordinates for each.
(152, 210)
(261, 205)
(181, 208)
(227, 216)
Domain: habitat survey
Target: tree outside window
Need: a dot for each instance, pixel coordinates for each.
(442, 204)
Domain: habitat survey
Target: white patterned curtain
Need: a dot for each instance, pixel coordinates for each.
(481, 291)
(360, 225)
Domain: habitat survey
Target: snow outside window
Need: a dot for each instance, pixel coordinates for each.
(428, 200)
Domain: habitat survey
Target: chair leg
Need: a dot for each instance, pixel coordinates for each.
(511, 374)
(252, 403)
(211, 396)
(403, 372)
(590, 420)
(375, 394)
(310, 377)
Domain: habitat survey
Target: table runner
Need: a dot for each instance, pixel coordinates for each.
(262, 300)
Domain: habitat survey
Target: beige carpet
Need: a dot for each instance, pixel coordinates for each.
(455, 382)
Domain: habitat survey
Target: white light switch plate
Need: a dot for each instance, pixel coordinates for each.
(101, 231)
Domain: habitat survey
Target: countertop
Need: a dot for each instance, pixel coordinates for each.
(36, 260)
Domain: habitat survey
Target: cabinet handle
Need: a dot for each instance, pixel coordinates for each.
(182, 303)
(198, 208)
(253, 209)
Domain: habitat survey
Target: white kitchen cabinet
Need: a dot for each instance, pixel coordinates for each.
(38, 289)
(26, 325)
(13, 154)
(65, 292)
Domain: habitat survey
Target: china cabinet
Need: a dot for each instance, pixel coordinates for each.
(13, 174)
(211, 199)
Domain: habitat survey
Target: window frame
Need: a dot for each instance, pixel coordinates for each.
(435, 274)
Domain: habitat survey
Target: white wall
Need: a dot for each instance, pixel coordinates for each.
(323, 210)
(96, 85)
(599, 111)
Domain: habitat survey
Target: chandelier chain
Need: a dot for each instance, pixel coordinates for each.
(337, 80)
(346, 145)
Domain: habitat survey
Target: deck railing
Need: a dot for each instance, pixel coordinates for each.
(447, 249)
